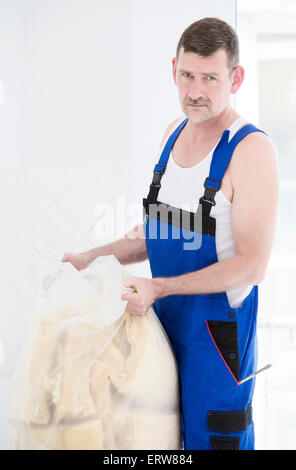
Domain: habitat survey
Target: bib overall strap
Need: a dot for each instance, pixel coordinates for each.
(220, 161)
(160, 167)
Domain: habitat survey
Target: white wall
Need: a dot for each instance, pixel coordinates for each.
(86, 92)
(11, 197)
(11, 82)
(77, 82)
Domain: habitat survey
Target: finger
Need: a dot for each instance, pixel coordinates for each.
(130, 285)
(135, 313)
(135, 309)
(134, 298)
(65, 258)
(128, 282)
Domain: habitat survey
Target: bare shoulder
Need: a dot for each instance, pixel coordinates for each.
(256, 152)
(256, 140)
(169, 129)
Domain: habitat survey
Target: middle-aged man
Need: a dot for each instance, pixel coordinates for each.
(204, 288)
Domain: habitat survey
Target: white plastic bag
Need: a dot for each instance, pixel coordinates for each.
(91, 375)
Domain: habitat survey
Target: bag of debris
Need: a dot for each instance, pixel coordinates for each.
(91, 376)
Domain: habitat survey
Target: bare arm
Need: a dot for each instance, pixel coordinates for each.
(129, 249)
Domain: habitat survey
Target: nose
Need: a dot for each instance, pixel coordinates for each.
(196, 90)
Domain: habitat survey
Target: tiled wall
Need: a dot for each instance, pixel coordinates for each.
(60, 210)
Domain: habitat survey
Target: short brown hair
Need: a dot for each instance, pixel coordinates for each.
(206, 36)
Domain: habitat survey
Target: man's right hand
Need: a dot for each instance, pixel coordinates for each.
(79, 260)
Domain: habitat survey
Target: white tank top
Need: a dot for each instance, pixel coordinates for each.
(182, 188)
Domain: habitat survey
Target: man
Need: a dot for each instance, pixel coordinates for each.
(206, 297)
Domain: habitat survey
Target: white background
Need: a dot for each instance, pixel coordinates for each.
(86, 91)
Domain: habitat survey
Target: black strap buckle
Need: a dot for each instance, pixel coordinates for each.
(157, 175)
(155, 185)
(208, 200)
(210, 192)
(156, 178)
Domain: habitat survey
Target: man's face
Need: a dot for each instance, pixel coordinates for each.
(204, 83)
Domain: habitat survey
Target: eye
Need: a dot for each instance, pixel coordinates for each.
(211, 78)
(187, 74)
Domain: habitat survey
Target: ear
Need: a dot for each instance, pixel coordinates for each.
(238, 75)
(174, 68)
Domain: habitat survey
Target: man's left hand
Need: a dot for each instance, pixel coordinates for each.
(140, 301)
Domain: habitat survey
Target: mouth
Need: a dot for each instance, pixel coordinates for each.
(197, 105)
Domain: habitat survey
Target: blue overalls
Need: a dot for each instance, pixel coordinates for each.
(215, 345)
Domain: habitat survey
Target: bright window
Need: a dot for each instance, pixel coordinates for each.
(267, 32)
